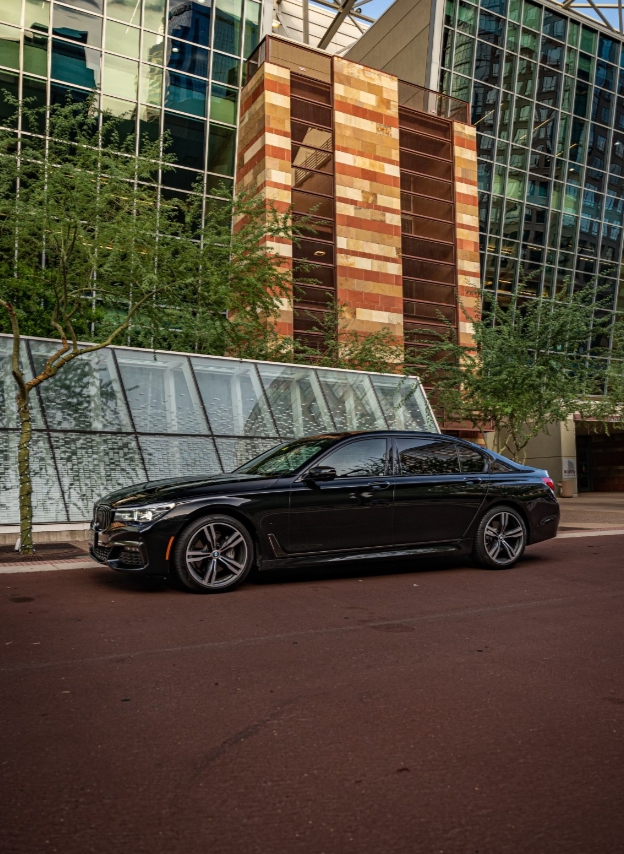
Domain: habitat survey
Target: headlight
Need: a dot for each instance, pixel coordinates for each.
(148, 513)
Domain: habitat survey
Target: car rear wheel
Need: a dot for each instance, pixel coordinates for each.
(500, 539)
(213, 554)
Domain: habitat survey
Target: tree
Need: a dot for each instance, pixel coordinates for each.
(90, 252)
(529, 366)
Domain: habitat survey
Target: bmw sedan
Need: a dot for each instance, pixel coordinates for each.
(326, 500)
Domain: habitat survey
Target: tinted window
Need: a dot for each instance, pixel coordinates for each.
(499, 467)
(427, 456)
(471, 460)
(285, 459)
(364, 458)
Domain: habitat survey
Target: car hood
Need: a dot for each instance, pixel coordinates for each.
(175, 488)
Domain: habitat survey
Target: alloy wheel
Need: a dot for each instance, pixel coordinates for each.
(216, 555)
(504, 537)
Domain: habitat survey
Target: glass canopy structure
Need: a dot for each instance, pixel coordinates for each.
(121, 416)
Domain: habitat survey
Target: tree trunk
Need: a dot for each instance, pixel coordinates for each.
(23, 467)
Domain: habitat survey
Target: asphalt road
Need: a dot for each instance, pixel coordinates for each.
(429, 707)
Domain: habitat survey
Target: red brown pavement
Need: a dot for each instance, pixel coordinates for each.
(419, 707)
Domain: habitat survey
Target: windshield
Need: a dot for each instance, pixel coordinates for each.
(286, 459)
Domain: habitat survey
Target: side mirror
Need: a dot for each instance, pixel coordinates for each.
(320, 473)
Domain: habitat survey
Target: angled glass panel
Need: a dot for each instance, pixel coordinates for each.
(228, 25)
(225, 69)
(153, 48)
(352, 401)
(47, 499)
(185, 94)
(10, 46)
(189, 21)
(179, 456)
(8, 405)
(11, 11)
(155, 15)
(85, 394)
(252, 27)
(93, 465)
(161, 393)
(121, 76)
(128, 11)
(187, 58)
(403, 403)
(233, 398)
(77, 26)
(235, 452)
(296, 400)
(36, 54)
(121, 38)
(73, 63)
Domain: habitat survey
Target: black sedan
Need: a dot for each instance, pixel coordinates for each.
(325, 500)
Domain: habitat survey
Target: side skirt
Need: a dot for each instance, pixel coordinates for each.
(324, 558)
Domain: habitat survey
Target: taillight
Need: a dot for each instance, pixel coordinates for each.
(549, 482)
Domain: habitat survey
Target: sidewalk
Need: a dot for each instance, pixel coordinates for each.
(592, 511)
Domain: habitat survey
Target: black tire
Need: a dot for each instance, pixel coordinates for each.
(500, 538)
(220, 570)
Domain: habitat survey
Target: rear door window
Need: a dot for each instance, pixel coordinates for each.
(363, 458)
(426, 457)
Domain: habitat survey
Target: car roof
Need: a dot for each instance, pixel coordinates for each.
(347, 434)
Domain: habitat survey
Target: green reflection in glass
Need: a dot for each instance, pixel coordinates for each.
(223, 102)
(154, 15)
(464, 51)
(227, 26)
(120, 76)
(11, 11)
(151, 84)
(225, 69)
(589, 40)
(35, 54)
(37, 15)
(513, 36)
(466, 18)
(153, 47)
(528, 44)
(128, 11)
(461, 87)
(252, 27)
(519, 157)
(515, 185)
(221, 150)
(498, 185)
(532, 16)
(556, 195)
(572, 199)
(9, 46)
(122, 38)
(513, 12)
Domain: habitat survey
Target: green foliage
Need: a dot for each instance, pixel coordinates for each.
(528, 369)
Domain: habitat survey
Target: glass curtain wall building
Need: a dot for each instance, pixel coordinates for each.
(164, 65)
(546, 91)
(121, 416)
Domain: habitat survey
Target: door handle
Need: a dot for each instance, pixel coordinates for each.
(377, 486)
(474, 480)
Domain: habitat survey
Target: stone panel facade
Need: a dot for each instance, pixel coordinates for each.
(466, 228)
(368, 205)
(263, 162)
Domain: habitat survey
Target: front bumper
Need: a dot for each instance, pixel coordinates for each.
(137, 550)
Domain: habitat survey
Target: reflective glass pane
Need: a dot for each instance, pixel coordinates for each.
(128, 11)
(35, 54)
(362, 458)
(189, 21)
(75, 64)
(223, 104)
(35, 90)
(233, 398)
(352, 401)
(151, 84)
(120, 76)
(154, 14)
(11, 11)
(252, 27)
(296, 400)
(227, 26)
(8, 410)
(225, 69)
(153, 48)
(403, 403)
(121, 38)
(186, 94)
(92, 465)
(161, 393)
(235, 452)
(46, 498)
(125, 112)
(187, 140)
(221, 150)
(77, 26)
(88, 5)
(187, 57)
(169, 456)
(85, 394)
(9, 46)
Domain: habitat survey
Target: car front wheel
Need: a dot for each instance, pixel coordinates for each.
(213, 554)
(500, 538)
